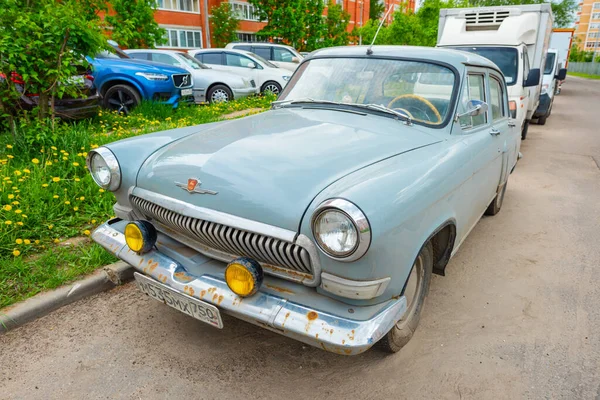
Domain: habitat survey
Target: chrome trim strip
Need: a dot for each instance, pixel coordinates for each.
(181, 207)
(344, 335)
(358, 218)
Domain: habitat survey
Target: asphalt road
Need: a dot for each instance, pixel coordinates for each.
(516, 316)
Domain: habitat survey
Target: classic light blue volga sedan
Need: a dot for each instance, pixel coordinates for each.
(323, 218)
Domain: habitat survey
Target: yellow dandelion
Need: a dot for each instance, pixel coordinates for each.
(14, 187)
(101, 190)
(10, 156)
(19, 223)
(78, 154)
(27, 241)
(23, 216)
(94, 146)
(56, 241)
(81, 198)
(19, 241)
(87, 232)
(93, 221)
(53, 148)
(50, 226)
(16, 253)
(27, 171)
(17, 172)
(62, 151)
(35, 161)
(8, 146)
(76, 164)
(75, 208)
(18, 211)
(55, 196)
(7, 222)
(7, 207)
(56, 179)
(65, 158)
(37, 242)
(67, 202)
(65, 153)
(77, 179)
(84, 154)
(15, 203)
(6, 178)
(11, 196)
(44, 185)
(48, 163)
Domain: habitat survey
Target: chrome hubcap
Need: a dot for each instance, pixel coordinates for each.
(272, 88)
(412, 291)
(219, 96)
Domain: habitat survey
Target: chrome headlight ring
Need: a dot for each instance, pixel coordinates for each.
(112, 165)
(358, 219)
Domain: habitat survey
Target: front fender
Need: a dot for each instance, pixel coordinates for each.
(406, 199)
(142, 90)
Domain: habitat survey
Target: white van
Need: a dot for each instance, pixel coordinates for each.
(515, 38)
(553, 74)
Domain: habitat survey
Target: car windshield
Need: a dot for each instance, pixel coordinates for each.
(549, 66)
(419, 91)
(192, 62)
(264, 61)
(504, 57)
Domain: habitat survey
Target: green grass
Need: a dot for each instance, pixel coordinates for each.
(47, 196)
(582, 75)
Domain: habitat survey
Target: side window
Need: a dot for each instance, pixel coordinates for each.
(473, 89)
(497, 99)
(525, 64)
(164, 59)
(243, 47)
(282, 55)
(139, 56)
(263, 51)
(211, 58)
(236, 60)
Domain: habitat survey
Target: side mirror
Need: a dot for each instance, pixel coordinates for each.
(562, 74)
(296, 60)
(251, 65)
(474, 108)
(534, 78)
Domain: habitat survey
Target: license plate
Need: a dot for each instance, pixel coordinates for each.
(188, 305)
(186, 92)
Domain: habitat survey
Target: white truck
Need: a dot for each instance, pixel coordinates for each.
(562, 40)
(515, 38)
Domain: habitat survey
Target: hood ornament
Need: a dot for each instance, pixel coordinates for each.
(193, 186)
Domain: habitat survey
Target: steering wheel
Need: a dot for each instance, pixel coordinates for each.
(423, 100)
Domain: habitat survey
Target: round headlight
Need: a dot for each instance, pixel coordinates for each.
(104, 167)
(341, 230)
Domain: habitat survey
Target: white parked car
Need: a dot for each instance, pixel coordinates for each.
(268, 77)
(279, 54)
(210, 85)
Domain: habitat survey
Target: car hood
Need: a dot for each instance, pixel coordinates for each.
(139, 65)
(270, 166)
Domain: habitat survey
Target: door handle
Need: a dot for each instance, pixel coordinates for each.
(494, 132)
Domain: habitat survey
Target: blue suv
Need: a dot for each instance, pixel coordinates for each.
(124, 82)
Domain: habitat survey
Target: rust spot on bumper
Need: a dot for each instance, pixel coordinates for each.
(279, 289)
(312, 315)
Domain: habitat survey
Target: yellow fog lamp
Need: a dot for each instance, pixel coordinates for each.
(140, 236)
(244, 276)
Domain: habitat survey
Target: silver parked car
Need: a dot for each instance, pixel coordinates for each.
(209, 85)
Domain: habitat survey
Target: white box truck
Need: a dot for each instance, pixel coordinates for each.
(515, 38)
(562, 40)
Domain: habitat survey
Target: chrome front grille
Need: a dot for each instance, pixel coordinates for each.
(274, 254)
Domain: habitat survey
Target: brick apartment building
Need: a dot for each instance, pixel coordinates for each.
(587, 25)
(186, 21)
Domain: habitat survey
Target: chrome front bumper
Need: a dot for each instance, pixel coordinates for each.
(315, 326)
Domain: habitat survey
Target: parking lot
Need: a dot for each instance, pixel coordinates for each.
(516, 316)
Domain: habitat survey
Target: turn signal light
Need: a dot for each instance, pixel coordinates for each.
(140, 236)
(244, 276)
(512, 106)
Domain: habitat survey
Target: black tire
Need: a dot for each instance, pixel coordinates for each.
(121, 98)
(219, 94)
(524, 130)
(496, 204)
(404, 329)
(271, 86)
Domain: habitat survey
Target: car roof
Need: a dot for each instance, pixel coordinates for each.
(152, 51)
(259, 44)
(455, 58)
(216, 50)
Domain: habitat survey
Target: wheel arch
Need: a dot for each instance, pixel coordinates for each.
(442, 239)
(120, 81)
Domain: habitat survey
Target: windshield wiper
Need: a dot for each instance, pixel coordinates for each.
(370, 106)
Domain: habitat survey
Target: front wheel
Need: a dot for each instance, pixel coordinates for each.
(272, 87)
(415, 291)
(121, 98)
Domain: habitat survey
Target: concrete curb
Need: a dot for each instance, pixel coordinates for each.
(44, 303)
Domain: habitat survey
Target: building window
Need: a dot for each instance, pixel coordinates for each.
(249, 37)
(595, 26)
(340, 3)
(596, 6)
(596, 15)
(591, 44)
(593, 35)
(183, 38)
(179, 5)
(243, 11)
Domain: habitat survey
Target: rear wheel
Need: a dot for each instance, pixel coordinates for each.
(121, 98)
(272, 87)
(542, 120)
(219, 94)
(417, 287)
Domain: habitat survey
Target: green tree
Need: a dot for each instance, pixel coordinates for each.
(285, 20)
(376, 9)
(44, 42)
(314, 25)
(133, 24)
(224, 25)
(336, 26)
